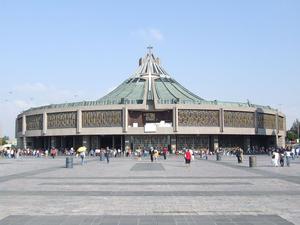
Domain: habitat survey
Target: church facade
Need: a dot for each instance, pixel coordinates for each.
(151, 109)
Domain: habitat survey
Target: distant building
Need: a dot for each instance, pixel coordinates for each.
(151, 108)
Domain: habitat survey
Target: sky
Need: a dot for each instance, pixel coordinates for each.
(64, 51)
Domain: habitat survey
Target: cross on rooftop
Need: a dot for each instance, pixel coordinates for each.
(149, 49)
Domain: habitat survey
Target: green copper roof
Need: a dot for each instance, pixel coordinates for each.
(151, 82)
(129, 92)
(169, 91)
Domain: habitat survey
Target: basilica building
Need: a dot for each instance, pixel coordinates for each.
(151, 109)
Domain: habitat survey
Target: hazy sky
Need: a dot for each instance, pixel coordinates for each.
(63, 51)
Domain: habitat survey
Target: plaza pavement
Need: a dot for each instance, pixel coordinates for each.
(40, 191)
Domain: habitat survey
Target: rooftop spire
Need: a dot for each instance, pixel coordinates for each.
(150, 49)
(149, 67)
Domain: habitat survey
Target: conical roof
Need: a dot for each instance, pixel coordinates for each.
(150, 82)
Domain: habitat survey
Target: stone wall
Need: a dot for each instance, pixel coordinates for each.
(108, 118)
(239, 119)
(34, 122)
(61, 120)
(266, 121)
(193, 117)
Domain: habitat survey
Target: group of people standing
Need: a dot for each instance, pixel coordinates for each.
(103, 154)
(282, 157)
(154, 154)
(239, 153)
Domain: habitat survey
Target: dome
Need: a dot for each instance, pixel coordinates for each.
(150, 82)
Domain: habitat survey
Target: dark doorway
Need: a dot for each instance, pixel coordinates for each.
(106, 141)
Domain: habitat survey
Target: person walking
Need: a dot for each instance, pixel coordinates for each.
(297, 151)
(155, 155)
(241, 155)
(192, 154)
(72, 151)
(101, 154)
(206, 152)
(275, 158)
(281, 159)
(287, 155)
(238, 155)
(53, 152)
(165, 150)
(151, 154)
(107, 152)
(46, 153)
(187, 157)
(82, 156)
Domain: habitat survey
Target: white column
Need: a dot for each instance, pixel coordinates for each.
(276, 129)
(255, 122)
(24, 142)
(221, 119)
(24, 132)
(121, 143)
(23, 125)
(281, 141)
(277, 122)
(175, 119)
(45, 123)
(16, 130)
(79, 121)
(125, 119)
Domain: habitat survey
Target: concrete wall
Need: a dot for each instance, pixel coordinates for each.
(125, 130)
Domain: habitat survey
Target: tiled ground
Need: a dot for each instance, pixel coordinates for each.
(131, 191)
(147, 220)
(147, 167)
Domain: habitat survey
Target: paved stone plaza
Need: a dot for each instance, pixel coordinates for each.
(127, 191)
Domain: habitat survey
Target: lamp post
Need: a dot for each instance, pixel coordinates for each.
(298, 131)
(276, 133)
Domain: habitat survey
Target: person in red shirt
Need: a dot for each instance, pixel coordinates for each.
(187, 157)
(165, 150)
(53, 152)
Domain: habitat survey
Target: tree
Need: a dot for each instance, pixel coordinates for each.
(4, 140)
(294, 132)
(295, 127)
(291, 135)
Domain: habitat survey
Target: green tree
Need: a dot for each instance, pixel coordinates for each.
(295, 127)
(291, 135)
(4, 140)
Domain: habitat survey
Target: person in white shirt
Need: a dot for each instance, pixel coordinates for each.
(82, 156)
(297, 152)
(287, 155)
(293, 153)
(192, 154)
(275, 158)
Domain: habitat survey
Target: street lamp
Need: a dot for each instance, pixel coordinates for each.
(298, 131)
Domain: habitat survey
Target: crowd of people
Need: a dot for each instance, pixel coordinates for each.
(53, 152)
(283, 156)
(280, 156)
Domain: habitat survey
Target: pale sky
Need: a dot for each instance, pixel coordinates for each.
(64, 51)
